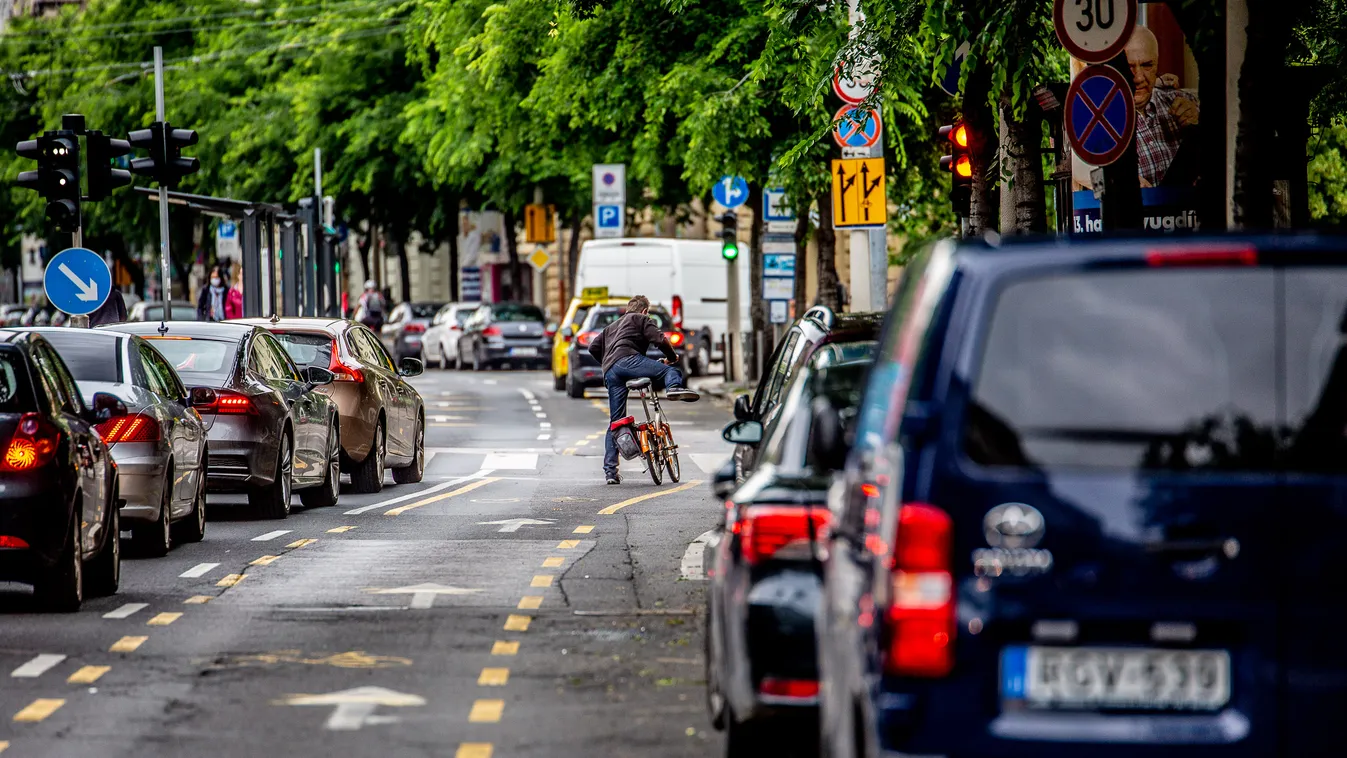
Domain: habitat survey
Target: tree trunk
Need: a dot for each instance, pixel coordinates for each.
(400, 247)
(363, 246)
(761, 344)
(826, 240)
(983, 210)
(1024, 164)
(512, 251)
(573, 250)
(453, 250)
(801, 257)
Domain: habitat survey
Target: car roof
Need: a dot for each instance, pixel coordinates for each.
(297, 322)
(1030, 251)
(68, 330)
(222, 329)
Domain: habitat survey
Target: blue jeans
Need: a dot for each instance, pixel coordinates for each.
(631, 367)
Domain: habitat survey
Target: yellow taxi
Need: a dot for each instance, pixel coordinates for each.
(575, 314)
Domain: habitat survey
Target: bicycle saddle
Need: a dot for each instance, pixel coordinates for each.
(638, 384)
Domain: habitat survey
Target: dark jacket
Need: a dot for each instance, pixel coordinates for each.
(632, 334)
(112, 311)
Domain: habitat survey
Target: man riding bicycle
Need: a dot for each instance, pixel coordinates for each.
(620, 348)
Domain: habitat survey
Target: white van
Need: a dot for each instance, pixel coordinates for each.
(687, 277)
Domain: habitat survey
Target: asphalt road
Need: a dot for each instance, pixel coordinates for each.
(422, 621)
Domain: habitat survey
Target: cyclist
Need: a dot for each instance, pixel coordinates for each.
(620, 349)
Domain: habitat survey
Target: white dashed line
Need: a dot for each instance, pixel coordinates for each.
(544, 425)
(541, 415)
(271, 535)
(130, 608)
(199, 569)
(38, 666)
(544, 437)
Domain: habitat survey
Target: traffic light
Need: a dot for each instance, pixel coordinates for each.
(165, 164)
(57, 177)
(960, 165)
(729, 236)
(103, 177)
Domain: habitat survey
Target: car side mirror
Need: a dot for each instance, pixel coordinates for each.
(742, 410)
(567, 332)
(317, 376)
(723, 481)
(107, 406)
(201, 397)
(410, 367)
(827, 438)
(743, 432)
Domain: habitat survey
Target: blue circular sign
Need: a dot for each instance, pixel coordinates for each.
(1100, 115)
(77, 281)
(731, 191)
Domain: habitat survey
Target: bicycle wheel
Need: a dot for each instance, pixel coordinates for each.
(654, 458)
(671, 464)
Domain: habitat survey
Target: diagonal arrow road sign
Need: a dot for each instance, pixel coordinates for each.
(354, 708)
(513, 524)
(88, 290)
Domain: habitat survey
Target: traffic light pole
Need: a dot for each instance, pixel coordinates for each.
(164, 265)
(734, 345)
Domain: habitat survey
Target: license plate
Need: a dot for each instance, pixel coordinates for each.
(524, 352)
(1124, 678)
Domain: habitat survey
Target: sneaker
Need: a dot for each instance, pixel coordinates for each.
(684, 394)
(614, 479)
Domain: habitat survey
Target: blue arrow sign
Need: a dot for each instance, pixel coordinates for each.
(610, 216)
(228, 230)
(775, 206)
(77, 281)
(731, 191)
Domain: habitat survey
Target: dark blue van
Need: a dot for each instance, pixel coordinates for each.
(1097, 506)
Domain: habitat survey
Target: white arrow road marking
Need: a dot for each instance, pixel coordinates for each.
(88, 292)
(354, 708)
(37, 666)
(423, 595)
(693, 566)
(513, 524)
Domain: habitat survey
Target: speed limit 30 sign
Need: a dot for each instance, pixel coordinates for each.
(1094, 31)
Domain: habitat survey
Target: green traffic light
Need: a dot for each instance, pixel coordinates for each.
(729, 251)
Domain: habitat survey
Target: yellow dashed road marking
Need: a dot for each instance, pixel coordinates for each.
(163, 619)
(517, 623)
(541, 580)
(231, 580)
(553, 562)
(5, 745)
(301, 543)
(486, 711)
(197, 600)
(88, 674)
(265, 560)
(493, 677)
(473, 750)
(501, 647)
(465, 488)
(127, 644)
(340, 529)
(530, 602)
(43, 707)
(568, 544)
(568, 451)
(581, 443)
(583, 529)
(615, 507)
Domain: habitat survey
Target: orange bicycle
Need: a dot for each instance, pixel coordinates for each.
(656, 438)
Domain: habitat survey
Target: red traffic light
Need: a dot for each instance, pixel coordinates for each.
(956, 133)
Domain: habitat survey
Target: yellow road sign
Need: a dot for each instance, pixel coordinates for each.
(858, 192)
(538, 225)
(539, 259)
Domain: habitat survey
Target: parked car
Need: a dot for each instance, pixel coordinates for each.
(266, 415)
(440, 343)
(11, 313)
(569, 327)
(1093, 501)
(406, 325)
(383, 418)
(583, 371)
(851, 336)
(59, 525)
(765, 576)
(159, 446)
(685, 276)
(499, 333)
(153, 310)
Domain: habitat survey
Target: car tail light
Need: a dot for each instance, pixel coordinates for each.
(675, 338)
(133, 428)
(549, 332)
(585, 338)
(33, 444)
(12, 542)
(414, 328)
(920, 632)
(230, 403)
(342, 372)
(788, 689)
(1219, 255)
(766, 530)
(678, 311)
(491, 331)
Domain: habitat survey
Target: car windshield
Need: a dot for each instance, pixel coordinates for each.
(425, 310)
(516, 312)
(15, 394)
(307, 348)
(90, 357)
(462, 315)
(1166, 370)
(605, 317)
(843, 352)
(176, 312)
(198, 360)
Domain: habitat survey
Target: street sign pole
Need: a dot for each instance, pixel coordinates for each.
(164, 260)
(734, 359)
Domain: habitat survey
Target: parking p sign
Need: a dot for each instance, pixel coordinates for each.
(608, 220)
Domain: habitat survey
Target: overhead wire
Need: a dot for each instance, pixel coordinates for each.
(316, 9)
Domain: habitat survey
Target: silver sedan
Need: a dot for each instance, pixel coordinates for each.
(159, 445)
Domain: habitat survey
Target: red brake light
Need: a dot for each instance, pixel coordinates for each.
(585, 338)
(1203, 256)
(33, 444)
(342, 372)
(675, 338)
(678, 311)
(550, 332)
(414, 328)
(921, 622)
(230, 403)
(12, 542)
(491, 331)
(789, 689)
(765, 530)
(133, 428)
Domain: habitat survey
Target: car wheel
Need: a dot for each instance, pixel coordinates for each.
(715, 698)
(273, 501)
(156, 539)
(368, 476)
(326, 494)
(62, 588)
(703, 358)
(413, 473)
(193, 528)
(574, 389)
(745, 738)
(559, 383)
(105, 575)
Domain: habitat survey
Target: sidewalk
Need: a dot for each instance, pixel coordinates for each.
(718, 390)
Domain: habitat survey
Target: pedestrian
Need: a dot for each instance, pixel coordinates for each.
(371, 306)
(112, 311)
(210, 304)
(620, 348)
(234, 297)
